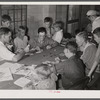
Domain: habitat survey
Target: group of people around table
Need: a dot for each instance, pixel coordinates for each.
(74, 67)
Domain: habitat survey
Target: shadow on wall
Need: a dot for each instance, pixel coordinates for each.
(33, 26)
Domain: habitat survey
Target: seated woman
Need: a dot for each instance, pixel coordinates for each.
(89, 50)
(42, 41)
(43, 77)
(58, 35)
(72, 68)
(21, 41)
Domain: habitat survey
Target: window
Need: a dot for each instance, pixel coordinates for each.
(18, 14)
(70, 15)
(73, 18)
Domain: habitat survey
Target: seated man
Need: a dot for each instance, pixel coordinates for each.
(73, 68)
(5, 54)
(42, 41)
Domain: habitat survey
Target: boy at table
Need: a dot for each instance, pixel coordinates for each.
(72, 68)
(21, 41)
(58, 28)
(5, 53)
(42, 41)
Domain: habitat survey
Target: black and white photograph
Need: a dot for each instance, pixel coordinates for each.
(50, 46)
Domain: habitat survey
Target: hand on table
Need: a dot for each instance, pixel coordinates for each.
(48, 47)
(27, 48)
(38, 49)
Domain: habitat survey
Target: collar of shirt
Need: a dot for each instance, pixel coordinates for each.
(2, 43)
(96, 19)
(87, 45)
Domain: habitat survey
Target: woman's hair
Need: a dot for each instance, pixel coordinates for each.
(42, 29)
(97, 31)
(84, 35)
(72, 46)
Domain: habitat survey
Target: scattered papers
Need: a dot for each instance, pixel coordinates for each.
(22, 82)
(5, 74)
(16, 67)
(6, 65)
(23, 72)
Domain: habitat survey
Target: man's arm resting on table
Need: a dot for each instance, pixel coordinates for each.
(18, 56)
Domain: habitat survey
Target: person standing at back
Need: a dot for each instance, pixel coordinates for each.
(94, 17)
(48, 25)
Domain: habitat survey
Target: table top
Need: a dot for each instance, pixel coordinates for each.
(37, 58)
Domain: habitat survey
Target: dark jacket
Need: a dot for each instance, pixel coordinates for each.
(73, 70)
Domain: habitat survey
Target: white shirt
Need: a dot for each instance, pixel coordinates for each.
(58, 36)
(96, 23)
(5, 54)
(20, 44)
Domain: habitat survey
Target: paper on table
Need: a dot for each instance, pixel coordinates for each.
(6, 65)
(22, 82)
(23, 72)
(5, 74)
(16, 67)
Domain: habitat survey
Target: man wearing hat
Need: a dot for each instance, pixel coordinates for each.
(94, 17)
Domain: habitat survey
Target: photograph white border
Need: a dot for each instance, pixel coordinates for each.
(50, 93)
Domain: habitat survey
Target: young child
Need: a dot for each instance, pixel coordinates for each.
(58, 35)
(43, 77)
(48, 26)
(21, 41)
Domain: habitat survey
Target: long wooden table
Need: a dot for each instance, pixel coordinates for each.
(46, 55)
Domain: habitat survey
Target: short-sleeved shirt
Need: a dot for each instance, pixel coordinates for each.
(97, 58)
(96, 23)
(5, 54)
(19, 43)
(58, 36)
(88, 55)
(47, 41)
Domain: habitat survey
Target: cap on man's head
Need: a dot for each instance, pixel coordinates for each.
(91, 13)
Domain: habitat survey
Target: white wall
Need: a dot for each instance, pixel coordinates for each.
(36, 15)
